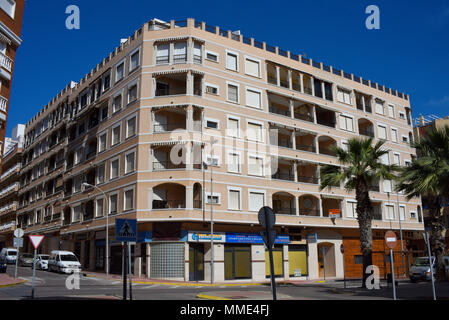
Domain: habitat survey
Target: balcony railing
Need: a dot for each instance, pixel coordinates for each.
(9, 189)
(308, 179)
(168, 204)
(10, 171)
(180, 58)
(5, 62)
(197, 59)
(304, 117)
(288, 211)
(327, 151)
(169, 127)
(162, 60)
(309, 212)
(304, 147)
(283, 176)
(166, 165)
(3, 103)
(367, 132)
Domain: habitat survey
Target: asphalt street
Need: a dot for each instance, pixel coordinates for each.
(50, 285)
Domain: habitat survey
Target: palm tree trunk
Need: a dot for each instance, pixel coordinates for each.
(364, 217)
(437, 240)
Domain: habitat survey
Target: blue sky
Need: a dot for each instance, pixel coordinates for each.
(409, 53)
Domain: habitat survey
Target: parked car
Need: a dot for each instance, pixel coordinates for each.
(3, 265)
(26, 259)
(63, 261)
(10, 255)
(420, 270)
(42, 261)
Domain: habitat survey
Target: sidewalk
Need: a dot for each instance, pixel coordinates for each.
(7, 281)
(242, 295)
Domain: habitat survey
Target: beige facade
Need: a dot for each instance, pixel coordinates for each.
(139, 126)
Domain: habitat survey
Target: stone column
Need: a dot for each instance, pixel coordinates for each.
(294, 139)
(285, 262)
(290, 82)
(189, 197)
(312, 85)
(278, 76)
(258, 262)
(151, 158)
(323, 89)
(314, 114)
(92, 255)
(150, 198)
(189, 50)
(186, 261)
(292, 109)
(148, 265)
(189, 118)
(295, 171)
(317, 145)
(189, 83)
(171, 53)
(320, 204)
(312, 249)
(301, 83)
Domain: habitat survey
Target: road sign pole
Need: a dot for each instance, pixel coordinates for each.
(34, 274)
(17, 260)
(124, 271)
(130, 273)
(392, 273)
(426, 236)
(270, 252)
(344, 272)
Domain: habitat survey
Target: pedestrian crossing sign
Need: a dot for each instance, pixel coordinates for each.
(126, 230)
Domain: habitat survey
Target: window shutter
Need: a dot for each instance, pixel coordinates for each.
(231, 61)
(233, 93)
(233, 127)
(234, 199)
(163, 50)
(252, 68)
(180, 48)
(253, 99)
(256, 201)
(234, 162)
(254, 132)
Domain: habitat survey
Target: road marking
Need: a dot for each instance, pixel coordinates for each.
(173, 287)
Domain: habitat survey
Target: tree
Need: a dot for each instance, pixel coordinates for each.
(361, 166)
(428, 177)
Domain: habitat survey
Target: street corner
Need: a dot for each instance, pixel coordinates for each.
(8, 281)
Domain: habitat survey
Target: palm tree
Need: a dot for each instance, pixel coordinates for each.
(428, 177)
(361, 167)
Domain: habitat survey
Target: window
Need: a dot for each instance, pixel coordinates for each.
(131, 127)
(212, 161)
(106, 82)
(212, 124)
(254, 98)
(99, 212)
(163, 52)
(233, 127)
(351, 209)
(405, 139)
(115, 168)
(77, 183)
(358, 259)
(79, 155)
(391, 111)
(232, 61)
(256, 200)
(382, 132)
(213, 199)
(255, 166)
(132, 93)
(113, 203)
(389, 212)
(120, 71)
(344, 145)
(402, 213)
(104, 112)
(117, 103)
(252, 67)
(134, 60)
(211, 89)
(385, 159)
(396, 159)
(402, 115)
(101, 173)
(102, 142)
(128, 199)
(76, 214)
(9, 6)
(212, 56)
(394, 135)
(380, 107)
(407, 163)
(234, 162)
(233, 93)
(254, 132)
(344, 96)
(116, 135)
(388, 186)
(346, 123)
(180, 53)
(234, 199)
(130, 162)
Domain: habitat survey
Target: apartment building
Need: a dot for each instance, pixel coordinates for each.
(11, 16)
(175, 95)
(9, 185)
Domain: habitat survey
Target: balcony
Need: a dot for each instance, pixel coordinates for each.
(366, 127)
(309, 206)
(174, 84)
(325, 145)
(325, 117)
(284, 203)
(14, 169)
(305, 141)
(5, 62)
(168, 119)
(3, 104)
(363, 102)
(307, 173)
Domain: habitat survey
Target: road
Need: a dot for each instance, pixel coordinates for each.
(50, 285)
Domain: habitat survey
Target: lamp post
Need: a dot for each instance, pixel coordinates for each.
(400, 231)
(85, 184)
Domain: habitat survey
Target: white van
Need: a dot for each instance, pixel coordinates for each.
(10, 255)
(63, 261)
(420, 270)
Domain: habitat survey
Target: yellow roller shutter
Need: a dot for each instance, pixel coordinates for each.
(297, 260)
(278, 263)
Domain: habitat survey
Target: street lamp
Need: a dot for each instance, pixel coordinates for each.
(85, 184)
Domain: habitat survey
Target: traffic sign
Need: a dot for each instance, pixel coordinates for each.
(267, 218)
(18, 233)
(390, 239)
(36, 240)
(272, 236)
(126, 230)
(342, 248)
(18, 243)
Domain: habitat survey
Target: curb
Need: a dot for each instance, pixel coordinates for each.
(204, 296)
(12, 284)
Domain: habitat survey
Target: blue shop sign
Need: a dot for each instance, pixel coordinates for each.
(145, 236)
(254, 238)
